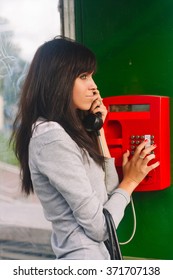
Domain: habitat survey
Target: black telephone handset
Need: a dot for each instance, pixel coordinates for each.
(93, 122)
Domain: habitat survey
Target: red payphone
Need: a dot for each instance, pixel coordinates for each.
(131, 119)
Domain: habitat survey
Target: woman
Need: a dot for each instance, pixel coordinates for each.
(61, 161)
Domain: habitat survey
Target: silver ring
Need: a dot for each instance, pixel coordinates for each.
(141, 157)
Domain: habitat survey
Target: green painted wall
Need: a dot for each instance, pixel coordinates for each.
(133, 42)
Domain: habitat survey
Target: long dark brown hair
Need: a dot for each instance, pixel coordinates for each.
(47, 93)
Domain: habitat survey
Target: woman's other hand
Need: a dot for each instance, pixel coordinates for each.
(135, 169)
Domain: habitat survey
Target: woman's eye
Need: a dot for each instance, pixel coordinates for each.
(83, 76)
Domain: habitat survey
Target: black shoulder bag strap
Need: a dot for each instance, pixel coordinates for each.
(112, 243)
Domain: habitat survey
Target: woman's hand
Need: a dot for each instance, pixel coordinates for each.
(137, 167)
(98, 106)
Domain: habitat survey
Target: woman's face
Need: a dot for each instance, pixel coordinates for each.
(83, 91)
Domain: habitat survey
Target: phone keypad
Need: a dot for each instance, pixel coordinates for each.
(135, 140)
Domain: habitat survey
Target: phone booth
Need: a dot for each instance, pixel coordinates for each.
(130, 120)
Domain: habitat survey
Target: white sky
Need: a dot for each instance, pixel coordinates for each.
(32, 21)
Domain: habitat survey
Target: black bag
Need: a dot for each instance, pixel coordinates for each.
(112, 243)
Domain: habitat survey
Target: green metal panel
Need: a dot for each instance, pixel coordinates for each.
(133, 42)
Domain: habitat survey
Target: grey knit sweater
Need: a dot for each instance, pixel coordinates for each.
(73, 190)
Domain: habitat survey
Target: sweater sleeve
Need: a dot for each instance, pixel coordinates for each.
(118, 198)
(117, 204)
(111, 175)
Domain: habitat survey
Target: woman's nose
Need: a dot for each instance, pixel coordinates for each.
(93, 85)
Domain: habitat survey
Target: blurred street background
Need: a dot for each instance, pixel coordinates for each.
(24, 232)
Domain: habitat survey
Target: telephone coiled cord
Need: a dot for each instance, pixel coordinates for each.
(134, 223)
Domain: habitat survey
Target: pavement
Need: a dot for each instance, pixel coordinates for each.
(24, 231)
(15, 208)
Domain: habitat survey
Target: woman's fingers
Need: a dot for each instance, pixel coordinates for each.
(98, 106)
(125, 157)
(139, 165)
(154, 165)
(97, 100)
(143, 150)
(147, 160)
